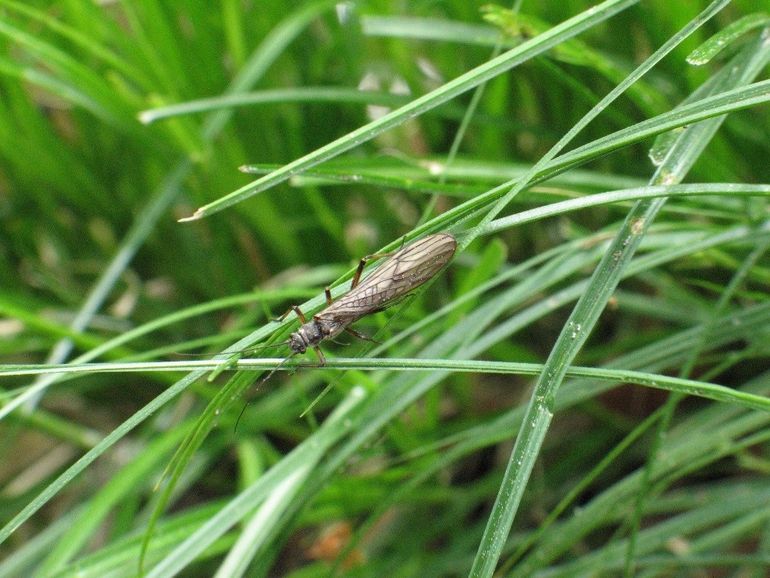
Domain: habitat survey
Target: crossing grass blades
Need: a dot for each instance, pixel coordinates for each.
(402, 272)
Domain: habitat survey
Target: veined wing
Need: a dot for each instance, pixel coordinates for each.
(402, 272)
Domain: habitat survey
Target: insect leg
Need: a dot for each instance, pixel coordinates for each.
(328, 294)
(362, 263)
(296, 310)
(299, 313)
(319, 353)
(285, 314)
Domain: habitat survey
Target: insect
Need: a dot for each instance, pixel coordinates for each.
(404, 271)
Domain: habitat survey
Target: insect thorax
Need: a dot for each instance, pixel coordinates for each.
(312, 333)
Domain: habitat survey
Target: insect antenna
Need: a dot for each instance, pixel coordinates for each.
(239, 352)
(260, 383)
(233, 359)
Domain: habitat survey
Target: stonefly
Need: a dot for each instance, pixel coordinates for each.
(402, 272)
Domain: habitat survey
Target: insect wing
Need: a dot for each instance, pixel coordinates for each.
(402, 272)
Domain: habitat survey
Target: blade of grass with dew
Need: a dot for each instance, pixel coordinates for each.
(684, 386)
(586, 312)
(605, 279)
(678, 160)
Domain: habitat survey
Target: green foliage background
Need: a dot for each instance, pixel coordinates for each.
(512, 416)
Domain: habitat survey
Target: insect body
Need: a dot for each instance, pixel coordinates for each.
(405, 270)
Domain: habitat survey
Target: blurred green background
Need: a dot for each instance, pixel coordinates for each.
(91, 248)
